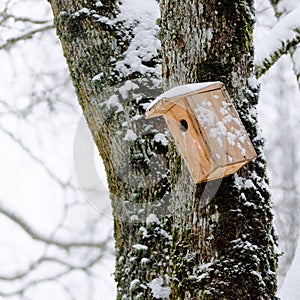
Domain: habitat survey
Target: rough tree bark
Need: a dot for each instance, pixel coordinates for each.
(174, 239)
(234, 256)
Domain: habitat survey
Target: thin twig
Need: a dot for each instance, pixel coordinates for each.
(26, 19)
(36, 159)
(10, 42)
(50, 241)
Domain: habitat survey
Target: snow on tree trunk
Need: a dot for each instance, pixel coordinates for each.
(111, 50)
(173, 239)
(223, 244)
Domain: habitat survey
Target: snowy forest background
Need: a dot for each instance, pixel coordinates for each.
(55, 223)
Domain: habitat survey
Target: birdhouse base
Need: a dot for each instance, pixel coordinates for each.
(222, 172)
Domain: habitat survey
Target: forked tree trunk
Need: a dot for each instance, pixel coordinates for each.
(174, 239)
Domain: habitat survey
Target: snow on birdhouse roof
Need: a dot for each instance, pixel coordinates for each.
(178, 91)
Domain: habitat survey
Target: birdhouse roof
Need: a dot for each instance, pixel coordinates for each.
(169, 98)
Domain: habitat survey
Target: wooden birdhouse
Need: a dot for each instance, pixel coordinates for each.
(206, 128)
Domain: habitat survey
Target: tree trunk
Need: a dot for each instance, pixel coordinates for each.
(174, 239)
(226, 247)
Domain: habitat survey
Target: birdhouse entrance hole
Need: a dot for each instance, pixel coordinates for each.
(206, 128)
(183, 125)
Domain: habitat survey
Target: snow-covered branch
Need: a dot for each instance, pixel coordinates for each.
(284, 36)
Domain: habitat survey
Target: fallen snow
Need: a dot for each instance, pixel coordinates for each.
(83, 11)
(152, 218)
(134, 218)
(140, 247)
(253, 82)
(224, 135)
(218, 132)
(204, 115)
(134, 283)
(126, 88)
(98, 77)
(144, 44)
(113, 101)
(144, 260)
(230, 159)
(158, 290)
(130, 135)
(243, 183)
(161, 138)
(144, 232)
(99, 4)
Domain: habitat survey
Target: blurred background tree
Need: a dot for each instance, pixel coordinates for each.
(54, 244)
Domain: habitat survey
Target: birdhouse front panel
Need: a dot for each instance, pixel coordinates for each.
(185, 130)
(207, 129)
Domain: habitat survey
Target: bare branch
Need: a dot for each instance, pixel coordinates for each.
(19, 112)
(25, 19)
(36, 159)
(10, 42)
(274, 4)
(69, 268)
(35, 282)
(50, 241)
(84, 267)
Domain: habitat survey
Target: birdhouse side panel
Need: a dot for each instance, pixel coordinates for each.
(211, 128)
(240, 140)
(222, 127)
